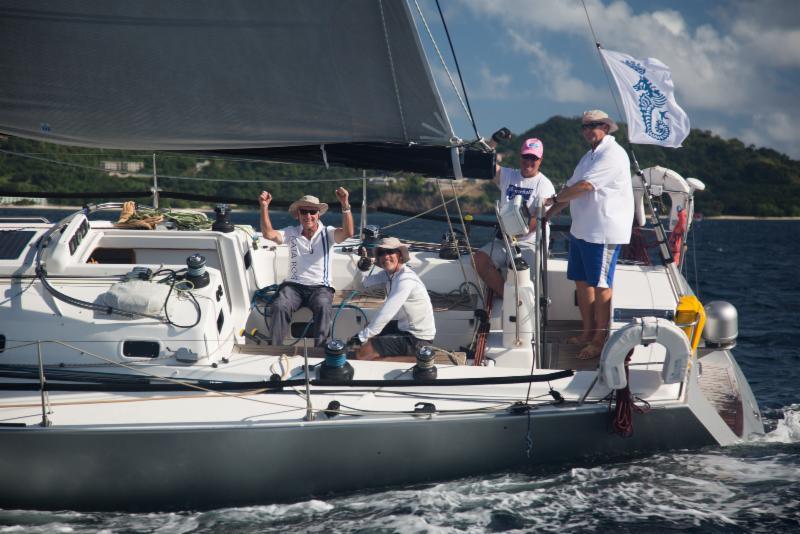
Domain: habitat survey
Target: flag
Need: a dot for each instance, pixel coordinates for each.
(654, 117)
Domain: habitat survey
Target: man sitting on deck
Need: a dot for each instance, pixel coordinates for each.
(310, 244)
(407, 298)
(528, 182)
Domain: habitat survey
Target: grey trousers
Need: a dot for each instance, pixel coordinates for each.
(292, 297)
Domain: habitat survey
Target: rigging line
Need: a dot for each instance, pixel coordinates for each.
(172, 380)
(453, 234)
(394, 73)
(438, 206)
(189, 178)
(466, 234)
(458, 70)
(605, 69)
(444, 65)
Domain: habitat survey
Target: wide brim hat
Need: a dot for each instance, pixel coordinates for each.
(310, 202)
(394, 243)
(596, 115)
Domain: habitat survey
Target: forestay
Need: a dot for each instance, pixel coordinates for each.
(208, 75)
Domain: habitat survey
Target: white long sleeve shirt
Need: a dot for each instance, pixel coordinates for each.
(407, 299)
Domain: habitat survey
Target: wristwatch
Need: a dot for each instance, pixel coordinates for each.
(346, 209)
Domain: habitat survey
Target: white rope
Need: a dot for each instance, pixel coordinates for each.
(441, 59)
(394, 74)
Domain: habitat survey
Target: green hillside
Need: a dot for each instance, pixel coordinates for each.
(740, 180)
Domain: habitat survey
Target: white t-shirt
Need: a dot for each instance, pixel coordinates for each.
(605, 214)
(309, 259)
(512, 184)
(407, 299)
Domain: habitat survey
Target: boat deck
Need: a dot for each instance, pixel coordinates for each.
(560, 355)
(252, 349)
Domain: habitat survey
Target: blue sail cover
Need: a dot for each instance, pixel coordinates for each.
(200, 75)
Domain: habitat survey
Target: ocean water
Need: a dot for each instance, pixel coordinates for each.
(753, 487)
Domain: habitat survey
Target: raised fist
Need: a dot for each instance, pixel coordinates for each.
(264, 199)
(342, 194)
(503, 134)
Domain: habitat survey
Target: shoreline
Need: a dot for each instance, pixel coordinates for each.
(210, 208)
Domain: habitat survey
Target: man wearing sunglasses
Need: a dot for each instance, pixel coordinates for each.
(528, 182)
(600, 197)
(309, 280)
(407, 300)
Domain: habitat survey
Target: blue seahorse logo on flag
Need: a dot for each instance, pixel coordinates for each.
(651, 101)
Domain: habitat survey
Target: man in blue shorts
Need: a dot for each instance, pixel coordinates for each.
(600, 197)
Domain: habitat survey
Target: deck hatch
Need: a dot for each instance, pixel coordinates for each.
(13, 242)
(141, 349)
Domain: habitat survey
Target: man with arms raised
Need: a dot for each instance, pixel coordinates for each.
(600, 197)
(308, 283)
(528, 182)
(406, 299)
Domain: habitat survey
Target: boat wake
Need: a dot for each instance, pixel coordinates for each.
(787, 426)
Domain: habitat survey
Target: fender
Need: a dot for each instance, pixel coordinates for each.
(643, 331)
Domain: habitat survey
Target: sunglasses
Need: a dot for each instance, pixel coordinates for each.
(529, 157)
(592, 125)
(383, 251)
(308, 212)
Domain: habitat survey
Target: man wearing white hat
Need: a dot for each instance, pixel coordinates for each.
(407, 300)
(600, 197)
(526, 181)
(309, 282)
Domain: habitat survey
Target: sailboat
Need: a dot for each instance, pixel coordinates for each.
(179, 404)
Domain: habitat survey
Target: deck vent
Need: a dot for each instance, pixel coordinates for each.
(248, 260)
(13, 242)
(141, 349)
(220, 321)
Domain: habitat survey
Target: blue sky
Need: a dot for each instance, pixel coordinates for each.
(735, 63)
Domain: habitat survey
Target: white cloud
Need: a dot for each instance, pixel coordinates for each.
(740, 69)
(492, 86)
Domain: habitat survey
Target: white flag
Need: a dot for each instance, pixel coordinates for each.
(648, 96)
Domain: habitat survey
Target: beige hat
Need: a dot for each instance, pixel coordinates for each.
(308, 201)
(395, 244)
(595, 115)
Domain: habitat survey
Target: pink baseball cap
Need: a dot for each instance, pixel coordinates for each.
(532, 146)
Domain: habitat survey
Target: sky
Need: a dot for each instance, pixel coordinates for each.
(735, 63)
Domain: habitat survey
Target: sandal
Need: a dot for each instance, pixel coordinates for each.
(589, 352)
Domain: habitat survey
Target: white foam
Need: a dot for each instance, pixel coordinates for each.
(788, 429)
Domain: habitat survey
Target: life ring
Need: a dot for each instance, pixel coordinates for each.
(643, 331)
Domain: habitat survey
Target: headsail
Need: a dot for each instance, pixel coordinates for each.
(210, 75)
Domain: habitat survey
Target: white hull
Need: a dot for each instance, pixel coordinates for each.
(143, 450)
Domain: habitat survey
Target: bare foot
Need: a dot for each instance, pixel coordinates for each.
(590, 351)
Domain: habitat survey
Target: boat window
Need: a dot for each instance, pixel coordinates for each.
(13, 242)
(220, 321)
(2, 343)
(140, 349)
(112, 255)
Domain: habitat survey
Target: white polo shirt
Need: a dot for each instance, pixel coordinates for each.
(309, 259)
(605, 214)
(512, 184)
(407, 299)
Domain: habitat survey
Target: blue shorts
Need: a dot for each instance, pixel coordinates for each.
(593, 263)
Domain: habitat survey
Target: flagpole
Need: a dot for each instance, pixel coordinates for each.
(661, 235)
